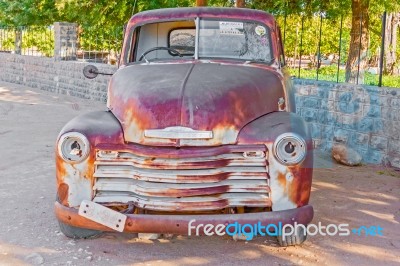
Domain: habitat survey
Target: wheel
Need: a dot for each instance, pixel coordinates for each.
(293, 239)
(77, 232)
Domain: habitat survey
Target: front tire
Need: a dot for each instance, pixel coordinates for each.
(293, 239)
(76, 232)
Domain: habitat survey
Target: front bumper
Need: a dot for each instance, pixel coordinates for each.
(178, 224)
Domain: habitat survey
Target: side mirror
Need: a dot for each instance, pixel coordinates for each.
(91, 71)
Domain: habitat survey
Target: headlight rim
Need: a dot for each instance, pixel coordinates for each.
(298, 138)
(78, 136)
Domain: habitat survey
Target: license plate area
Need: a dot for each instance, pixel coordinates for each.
(102, 215)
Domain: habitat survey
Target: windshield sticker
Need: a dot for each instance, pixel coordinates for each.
(230, 28)
(260, 30)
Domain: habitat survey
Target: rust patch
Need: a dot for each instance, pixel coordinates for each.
(205, 105)
(60, 170)
(62, 193)
(190, 192)
(299, 191)
(282, 181)
(90, 169)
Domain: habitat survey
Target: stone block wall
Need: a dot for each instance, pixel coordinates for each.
(365, 118)
(63, 77)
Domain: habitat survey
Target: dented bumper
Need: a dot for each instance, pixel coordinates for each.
(178, 224)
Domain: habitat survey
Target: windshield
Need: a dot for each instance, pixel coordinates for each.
(232, 39)
(222, 39)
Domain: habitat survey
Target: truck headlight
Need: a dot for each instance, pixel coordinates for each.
(73, 147)
(290, 149)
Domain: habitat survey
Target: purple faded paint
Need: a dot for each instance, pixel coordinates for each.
(180, 95)
(246, 106)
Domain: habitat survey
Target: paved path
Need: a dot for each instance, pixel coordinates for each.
(29, 123)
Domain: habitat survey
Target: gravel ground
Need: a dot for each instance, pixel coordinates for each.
(29, 123)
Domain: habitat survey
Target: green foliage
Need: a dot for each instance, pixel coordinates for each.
(94, 39)
(38, 40)
(7, 40)
(27, 12)
(329, 73)
(35, 40)
(330, 37)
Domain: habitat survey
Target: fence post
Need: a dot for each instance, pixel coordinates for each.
(359, 52)
(319, 46)
(301, 43)
(65, 39)
(340, 48)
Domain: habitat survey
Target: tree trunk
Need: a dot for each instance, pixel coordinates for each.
(357, 59)
(240, 3)
(201, 2)
(392, 23)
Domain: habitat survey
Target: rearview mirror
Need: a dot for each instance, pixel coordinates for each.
(91, 71)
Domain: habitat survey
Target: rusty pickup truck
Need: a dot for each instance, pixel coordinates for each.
(200, 125)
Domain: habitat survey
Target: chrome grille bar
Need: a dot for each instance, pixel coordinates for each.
(194, 183)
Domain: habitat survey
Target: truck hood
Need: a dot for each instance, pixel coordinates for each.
(191, 104)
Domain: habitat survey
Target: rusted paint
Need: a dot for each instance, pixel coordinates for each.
(301, 187)
(184, 152)
(62, 193)
(218, 177)
(174, 190)
(98, 127)
(201, 162)
(78, 179)
(285, 193)
(178, 224)
(205, 105)
(200, 203)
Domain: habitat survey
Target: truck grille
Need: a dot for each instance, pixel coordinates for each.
(186, 179)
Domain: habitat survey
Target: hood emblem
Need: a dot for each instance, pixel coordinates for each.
(178, 133)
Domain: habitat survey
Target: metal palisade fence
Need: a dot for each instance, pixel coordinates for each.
(35, 41)
(317, 48)
(99, 45)
(92, 44)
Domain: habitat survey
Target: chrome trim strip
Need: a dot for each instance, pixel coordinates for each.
(178, 133)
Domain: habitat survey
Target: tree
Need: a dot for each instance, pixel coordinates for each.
(240, 3)
(357, 58)
(201, 2)
(392, 25)
(17, 13)
(27, 12)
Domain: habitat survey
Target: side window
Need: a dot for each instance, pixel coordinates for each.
(281, 51)
(134, 45)
(182, 40)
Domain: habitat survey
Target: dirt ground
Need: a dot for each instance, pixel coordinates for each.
(29, 123)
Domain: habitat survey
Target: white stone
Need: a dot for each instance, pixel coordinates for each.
(345, 155)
